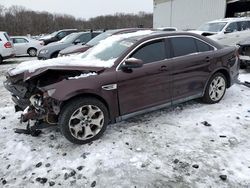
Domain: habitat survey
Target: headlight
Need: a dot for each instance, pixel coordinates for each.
(43, 51)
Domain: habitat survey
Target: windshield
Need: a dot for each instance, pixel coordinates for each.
(97, 39)
(106, 51)
(70, 38)
(54, 34)
(212, 27)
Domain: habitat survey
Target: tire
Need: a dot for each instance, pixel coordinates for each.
(32, 52)
(242, 65)
(54, 55)
(215, 89)
(77, 117)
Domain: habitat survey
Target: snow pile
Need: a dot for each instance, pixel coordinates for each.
(89, 60)
(83, 76)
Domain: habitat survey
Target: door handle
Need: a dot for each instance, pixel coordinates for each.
(163, 68)
(207, 59)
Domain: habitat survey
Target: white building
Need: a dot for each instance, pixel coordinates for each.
(190, 14)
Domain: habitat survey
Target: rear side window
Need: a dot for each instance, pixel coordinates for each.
(19, 40)
(151, 52)
(243, 25)
(202, 46)
(183, 46)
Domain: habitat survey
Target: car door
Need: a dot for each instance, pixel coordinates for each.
(149, 85)
(21, 46)
(191, 66)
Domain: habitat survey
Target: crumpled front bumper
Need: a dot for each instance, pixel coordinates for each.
(18, 95)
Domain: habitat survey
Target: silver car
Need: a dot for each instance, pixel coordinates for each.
(52, 50)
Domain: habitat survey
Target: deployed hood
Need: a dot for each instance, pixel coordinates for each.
(32, 68)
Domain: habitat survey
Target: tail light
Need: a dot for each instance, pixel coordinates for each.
(8, 45)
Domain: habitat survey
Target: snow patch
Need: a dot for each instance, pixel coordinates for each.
(83, 76)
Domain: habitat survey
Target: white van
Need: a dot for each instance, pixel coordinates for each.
(6, 47)
(228, 31)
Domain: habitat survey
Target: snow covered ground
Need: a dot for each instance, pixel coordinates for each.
(167, 148)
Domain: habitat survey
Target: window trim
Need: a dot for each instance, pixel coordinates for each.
(161, 38)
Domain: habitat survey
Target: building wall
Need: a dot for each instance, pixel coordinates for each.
(187, 14)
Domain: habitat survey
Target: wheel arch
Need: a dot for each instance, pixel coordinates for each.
(90, 95)
(223, 71)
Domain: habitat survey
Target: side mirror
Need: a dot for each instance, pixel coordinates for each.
(131, 63)
(77, 41)
(228, 31)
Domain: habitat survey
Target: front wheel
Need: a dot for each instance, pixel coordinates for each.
(83, 120)
(215, 89)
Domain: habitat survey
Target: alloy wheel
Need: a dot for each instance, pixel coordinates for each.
(217, 88)
(86, 122)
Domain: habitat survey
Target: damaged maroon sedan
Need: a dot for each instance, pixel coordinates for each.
(123, 76)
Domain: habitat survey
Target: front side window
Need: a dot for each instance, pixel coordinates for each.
(232, 27)
(84, 37)
(151, 52)
(61, 34)
(183, 46)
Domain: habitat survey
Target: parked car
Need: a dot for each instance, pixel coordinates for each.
(80, 48)
(6, 47)
(228, 31)
(244, 53)
(56, 36)
(167, 29)
(25, 45)
(122, 76)
(52, 50)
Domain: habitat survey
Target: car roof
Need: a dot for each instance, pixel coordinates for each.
(124, 30)
(165, 34)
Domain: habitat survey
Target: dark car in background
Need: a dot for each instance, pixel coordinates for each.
(244, 52)
(121, 77)
(52, 49)
(56, 36)
(84, 47)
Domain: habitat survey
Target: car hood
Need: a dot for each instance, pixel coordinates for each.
(46, 37)
(75, 49)
(29, 69)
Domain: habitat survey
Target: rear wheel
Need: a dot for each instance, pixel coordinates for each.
(215, 89)
(32, 52)
(83, 120)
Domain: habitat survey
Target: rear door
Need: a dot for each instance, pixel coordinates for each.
(149, 85)
(192, 58)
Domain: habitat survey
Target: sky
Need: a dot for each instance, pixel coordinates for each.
(84, 8)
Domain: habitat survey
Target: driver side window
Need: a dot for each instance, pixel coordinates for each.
(151, 52)
(233, 27)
